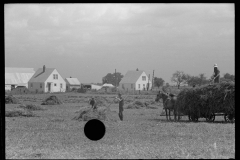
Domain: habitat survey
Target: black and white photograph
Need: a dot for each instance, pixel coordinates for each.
(119, 80)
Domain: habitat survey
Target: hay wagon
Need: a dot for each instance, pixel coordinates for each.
(228, 117)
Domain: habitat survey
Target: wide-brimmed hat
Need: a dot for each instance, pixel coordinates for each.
(215, 65)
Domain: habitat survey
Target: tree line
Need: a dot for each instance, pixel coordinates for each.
(179, 77)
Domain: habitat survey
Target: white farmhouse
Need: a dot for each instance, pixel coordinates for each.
(135, 80)
(46, 80)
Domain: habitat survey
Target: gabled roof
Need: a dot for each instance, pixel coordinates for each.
(131, 76)
(18, 75)
(72, 81)
(41, 76)
(108, 85)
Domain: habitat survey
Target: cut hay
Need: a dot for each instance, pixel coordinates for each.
(205, 100)
(31, 107)
(19, 113)
(101, 113)
(52, 100)
(9, 99)
(139, 105)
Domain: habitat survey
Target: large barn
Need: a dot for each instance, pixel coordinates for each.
(135, 80)
(17, 76)
(46, 80)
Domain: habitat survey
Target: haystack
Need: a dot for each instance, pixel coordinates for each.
(9, 99)
(136, 105)
(52, 100)
(207, 99)
(101, 113)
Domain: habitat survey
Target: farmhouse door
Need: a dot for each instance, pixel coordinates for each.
(49, 87)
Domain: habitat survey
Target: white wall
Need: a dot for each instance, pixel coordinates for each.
(141, 82)
(58, 81)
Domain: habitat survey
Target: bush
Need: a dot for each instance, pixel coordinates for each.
(81, 90)
(9, 99)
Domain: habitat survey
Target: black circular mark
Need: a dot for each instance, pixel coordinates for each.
(94, 129)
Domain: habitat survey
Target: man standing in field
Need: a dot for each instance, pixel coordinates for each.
(92, 102)
(216, 74)
(121, 103)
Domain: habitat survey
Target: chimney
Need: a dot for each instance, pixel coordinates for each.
(137, 69)
(70, 77)
(44, 68)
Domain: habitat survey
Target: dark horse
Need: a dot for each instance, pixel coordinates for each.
(168, 104)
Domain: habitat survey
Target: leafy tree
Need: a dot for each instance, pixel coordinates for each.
(158, 82)
(228, 77)
(110, 78)
(179, 77)
(197, 80)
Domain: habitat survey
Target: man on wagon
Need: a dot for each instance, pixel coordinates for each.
(216, 74)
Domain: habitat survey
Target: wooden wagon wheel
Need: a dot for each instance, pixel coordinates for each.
(210, 118)
(229, 117)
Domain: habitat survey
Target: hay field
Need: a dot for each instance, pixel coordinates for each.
(51, 132)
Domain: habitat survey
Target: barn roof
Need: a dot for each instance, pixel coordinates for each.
(41, 76)
(72, 81)
(14, 76)
(131, 76)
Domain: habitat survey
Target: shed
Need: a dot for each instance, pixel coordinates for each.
(72, 83)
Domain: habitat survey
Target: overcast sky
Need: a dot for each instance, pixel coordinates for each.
(88, 41)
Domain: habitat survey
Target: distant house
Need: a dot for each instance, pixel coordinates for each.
(46, 80)
(135, 80)
(72, 83)
(17, 76)
(96, 87)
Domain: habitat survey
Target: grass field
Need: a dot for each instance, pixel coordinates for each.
(51, 133)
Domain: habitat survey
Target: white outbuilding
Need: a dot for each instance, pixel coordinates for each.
(72, 83)
(17, 76)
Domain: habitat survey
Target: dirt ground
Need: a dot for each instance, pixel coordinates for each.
(143, 133)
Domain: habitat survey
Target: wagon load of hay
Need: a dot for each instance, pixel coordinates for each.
(52, 100)
(9, 99)
(101, 113)
(207, 99)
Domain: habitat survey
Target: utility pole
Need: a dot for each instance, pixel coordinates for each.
(153, 81)
(148, 82)
(115, 79)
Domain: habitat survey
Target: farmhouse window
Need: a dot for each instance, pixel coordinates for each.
(31, 85)
(56, 76)
(55, 84)
(60, 85)
(144, 78)
(40, 85)
(138, 85)
(53, 76)
(143, 85)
